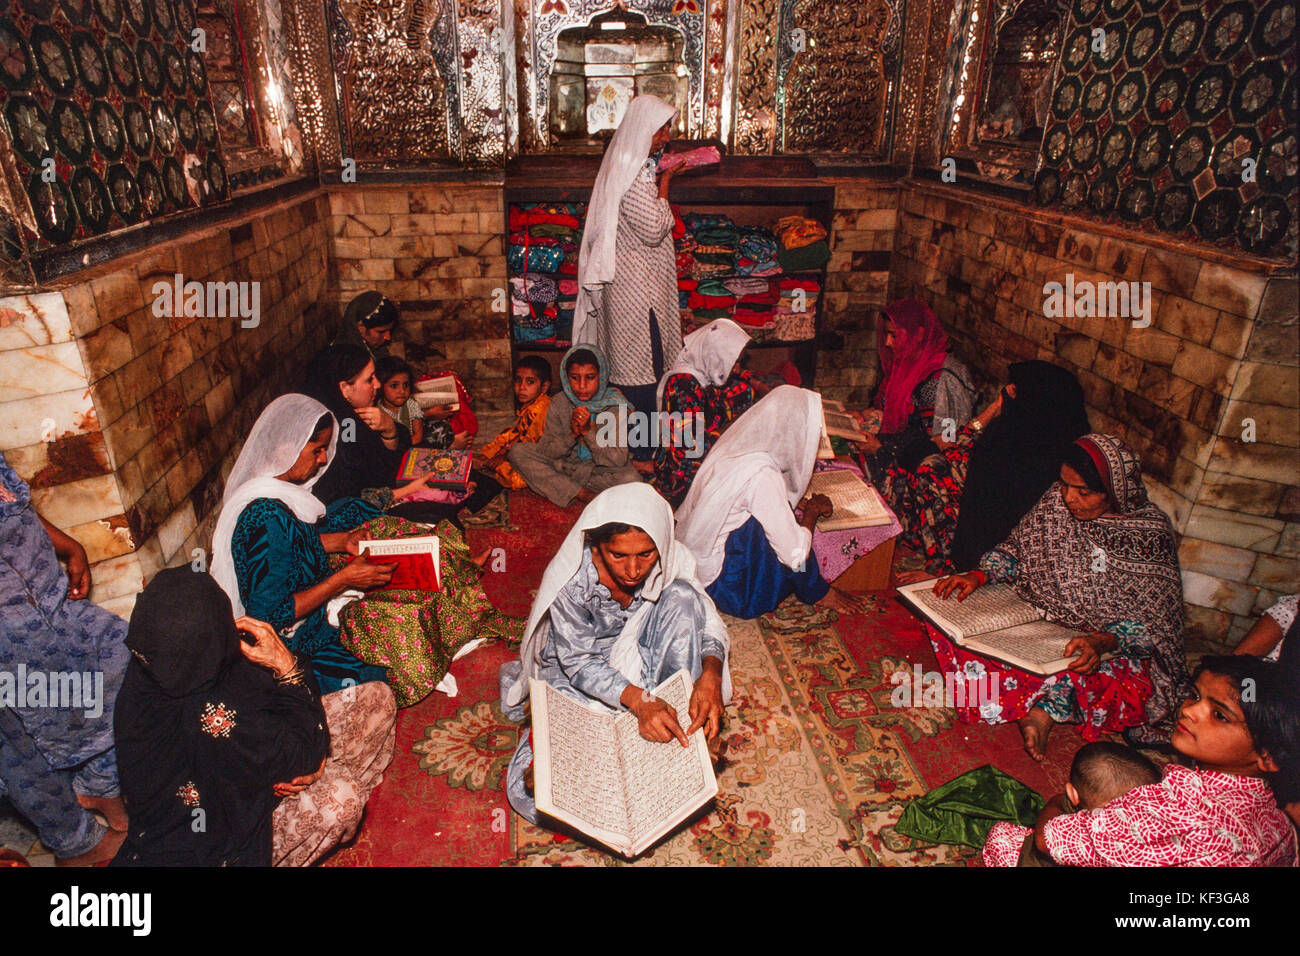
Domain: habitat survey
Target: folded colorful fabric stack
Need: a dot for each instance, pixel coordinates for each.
(541, 214)
(695, 220)
(795, 328)
(532, 316)
(808, 258)
(794, 232)
(553, 230)
(797, 295)
(796, 312)
(756, 252)
(535, 335)
(533, 288)
(534, 258)
(749, 286)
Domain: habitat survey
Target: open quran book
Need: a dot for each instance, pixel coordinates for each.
(839, 423)
(415, 559)
(856, 503)
(994, 620)
(594, 771)
(437, 391)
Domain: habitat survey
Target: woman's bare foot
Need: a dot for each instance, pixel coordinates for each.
(912, 577)
(113, 809)
(105, 850)
(1034, 728)
(844, 603)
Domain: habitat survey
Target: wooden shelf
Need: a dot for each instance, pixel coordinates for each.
(751, 190)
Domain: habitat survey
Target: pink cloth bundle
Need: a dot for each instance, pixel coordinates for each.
(704, 156)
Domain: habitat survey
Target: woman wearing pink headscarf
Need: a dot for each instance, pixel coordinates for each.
(924, 401)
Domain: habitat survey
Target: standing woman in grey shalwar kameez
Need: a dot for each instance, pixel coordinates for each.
(627, 266)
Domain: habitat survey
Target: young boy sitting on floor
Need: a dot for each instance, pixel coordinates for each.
(1101, 772)
(1242, 728)
(532, 383)
(580, 453)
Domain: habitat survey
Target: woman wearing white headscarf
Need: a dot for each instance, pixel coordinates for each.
(627, 268)
(738, 518)
(620, 610)
(273, 537)
(270, 556)
(707, 388)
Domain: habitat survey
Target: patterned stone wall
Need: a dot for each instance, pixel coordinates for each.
(857, 285)
(437, 252)
(1222, 347)
(1153, 125)
(112, 94)
(127, 423)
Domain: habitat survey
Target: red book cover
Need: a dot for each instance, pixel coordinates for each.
(415, 559)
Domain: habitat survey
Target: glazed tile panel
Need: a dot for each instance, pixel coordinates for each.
(110, 96)
(1179, 120)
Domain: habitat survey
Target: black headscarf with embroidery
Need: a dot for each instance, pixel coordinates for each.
(203, 734)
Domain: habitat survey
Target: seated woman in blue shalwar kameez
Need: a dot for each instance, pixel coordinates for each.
(738, 519)
(56, 760)
(619, 611)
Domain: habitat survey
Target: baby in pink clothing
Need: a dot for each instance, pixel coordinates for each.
(1242, 727)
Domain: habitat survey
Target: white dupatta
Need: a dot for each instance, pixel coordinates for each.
(627, 152)
(277, 438)
(760, 467)
(708, 355)
(642, 507)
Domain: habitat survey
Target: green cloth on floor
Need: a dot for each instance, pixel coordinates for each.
(965, 808)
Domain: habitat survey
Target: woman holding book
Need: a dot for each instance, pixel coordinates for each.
(619, 611)
(1097, 556)
(738, 519)
(627, 267)
(371, 446)
(923, 403)
(272, 551)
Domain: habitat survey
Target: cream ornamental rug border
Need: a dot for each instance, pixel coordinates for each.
(774, 807)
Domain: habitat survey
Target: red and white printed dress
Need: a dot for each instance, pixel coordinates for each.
(1191, 818)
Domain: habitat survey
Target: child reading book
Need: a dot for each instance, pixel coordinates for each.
(532, 384)
(458, 417)
(1101, 772)
(1241, 727)
(394, 397)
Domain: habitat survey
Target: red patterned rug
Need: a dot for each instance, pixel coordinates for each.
(820, 763)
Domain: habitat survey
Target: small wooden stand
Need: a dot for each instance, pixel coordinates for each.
(871, 571)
